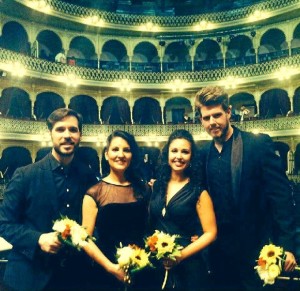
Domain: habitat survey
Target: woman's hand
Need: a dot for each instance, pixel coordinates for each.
(119, 273)
(169, 263)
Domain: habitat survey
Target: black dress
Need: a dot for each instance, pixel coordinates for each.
(121, 219)
(180, 217)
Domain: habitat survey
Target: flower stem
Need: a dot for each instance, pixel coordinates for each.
(165, 280)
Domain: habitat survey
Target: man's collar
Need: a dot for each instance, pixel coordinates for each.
(54, 163)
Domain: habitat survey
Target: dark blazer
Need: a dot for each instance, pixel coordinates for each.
(28, 210)
(262, 195)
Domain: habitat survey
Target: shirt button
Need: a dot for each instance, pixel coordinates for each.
(68, 205)
(68, 190)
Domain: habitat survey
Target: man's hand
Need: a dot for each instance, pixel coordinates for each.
(50, 243)
(290, 262)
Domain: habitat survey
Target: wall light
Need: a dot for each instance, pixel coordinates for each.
(40, 5)
(150, 27)
(203, 25)
(17, 69)
(230, 82)
(70, 80)
(258, 15)
(94, 20)
(177, 85)
(285, 73)
(125, 85)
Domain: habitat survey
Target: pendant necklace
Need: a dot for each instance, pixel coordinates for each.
(163, 212)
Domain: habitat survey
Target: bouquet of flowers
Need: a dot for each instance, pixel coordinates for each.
(270, 263)
(71, 233)
(163, 246)
(132, 259)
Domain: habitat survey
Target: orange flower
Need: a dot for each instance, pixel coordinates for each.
(151, 242)
(67, 232)
(261, 262)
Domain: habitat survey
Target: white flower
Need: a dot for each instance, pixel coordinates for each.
(274, 271)
(59, 226)
(71, 233)
(78, 235)
(124, 256)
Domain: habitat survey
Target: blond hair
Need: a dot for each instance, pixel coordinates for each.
(209, 96)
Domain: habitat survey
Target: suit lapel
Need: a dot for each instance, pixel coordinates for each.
(236, 164)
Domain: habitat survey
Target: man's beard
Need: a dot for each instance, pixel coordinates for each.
(64, 155)
(222, 137)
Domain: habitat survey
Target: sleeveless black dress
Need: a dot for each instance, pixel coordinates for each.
(180, 217)
(121, 219)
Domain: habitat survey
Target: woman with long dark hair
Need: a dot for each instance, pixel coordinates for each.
(180, 205)
(115, 210)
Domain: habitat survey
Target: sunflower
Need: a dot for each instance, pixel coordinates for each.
(270, 253)
(140, 258)
(165, 244)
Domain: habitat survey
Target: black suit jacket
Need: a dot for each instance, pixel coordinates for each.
(262, 196)
(28, 210)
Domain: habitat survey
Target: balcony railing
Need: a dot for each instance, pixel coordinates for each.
(54, 71)
(12, 129)
(65, 10)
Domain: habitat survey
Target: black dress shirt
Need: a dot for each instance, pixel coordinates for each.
(219, 175)
(66, 179)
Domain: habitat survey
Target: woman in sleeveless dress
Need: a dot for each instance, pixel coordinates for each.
(180, 205)
(115, 211)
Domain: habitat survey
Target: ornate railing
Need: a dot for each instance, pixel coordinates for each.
(36, 130)
(49, 70)
(164, 21)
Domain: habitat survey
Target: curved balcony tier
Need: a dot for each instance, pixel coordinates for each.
(20, 130)
(43, 69)
(133, 22)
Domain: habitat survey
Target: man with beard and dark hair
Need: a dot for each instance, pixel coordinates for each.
(250, 193)
(36, 196)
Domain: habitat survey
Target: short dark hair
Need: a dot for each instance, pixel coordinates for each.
(210, 96)
(60, 114)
